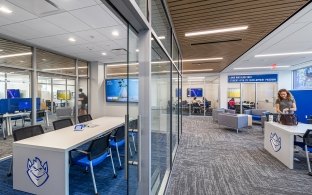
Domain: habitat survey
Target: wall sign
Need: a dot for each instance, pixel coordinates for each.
(276, 142)
(259, 78)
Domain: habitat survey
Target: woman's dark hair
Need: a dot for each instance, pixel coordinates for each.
(287, 92)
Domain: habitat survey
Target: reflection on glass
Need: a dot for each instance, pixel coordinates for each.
(160, 115)
(175, 96)
(83, 96)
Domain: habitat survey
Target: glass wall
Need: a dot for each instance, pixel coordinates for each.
(175, 109)
(160, 114)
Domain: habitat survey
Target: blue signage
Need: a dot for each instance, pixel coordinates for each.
(259, 78)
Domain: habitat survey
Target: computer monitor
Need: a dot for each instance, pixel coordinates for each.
(13, 93)
(24, 106)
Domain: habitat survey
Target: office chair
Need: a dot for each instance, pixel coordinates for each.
(23, 133)
(84, 118)
(307, 140)
(97, 152)
(40, 115)
(60, 124)
(118, 140)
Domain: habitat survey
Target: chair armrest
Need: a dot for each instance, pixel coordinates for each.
(81, 151)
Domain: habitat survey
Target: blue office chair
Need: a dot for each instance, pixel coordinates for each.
(97, 152)
(307, 140)
(118, 140)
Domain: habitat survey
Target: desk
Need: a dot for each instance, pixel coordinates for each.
(53, 149)
(279, 140)
(8, 117)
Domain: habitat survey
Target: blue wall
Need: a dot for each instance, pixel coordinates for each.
(304, 103)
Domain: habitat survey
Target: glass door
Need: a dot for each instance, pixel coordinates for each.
(266, 96)
(133, 118)
(248, 96)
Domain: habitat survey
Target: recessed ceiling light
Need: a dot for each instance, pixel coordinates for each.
(161, 37)
(260, 67)
(202, 59)
(137, 50)
(283, 54)
(5, 10)
(190, 34)
(15, 55)
(71, 39)
(44, 59)
(21, 61)
(1, 50)
(104, 54)
(115, 33)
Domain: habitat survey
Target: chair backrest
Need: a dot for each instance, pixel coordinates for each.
(119, 133)
(307, 138)
(27, 132)
(133, 124)
(60, 124)
(84, 118)
(98, 146)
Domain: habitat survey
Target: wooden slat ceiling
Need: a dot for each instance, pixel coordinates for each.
(261, 17)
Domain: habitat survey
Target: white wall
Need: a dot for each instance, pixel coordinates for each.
(284, 81)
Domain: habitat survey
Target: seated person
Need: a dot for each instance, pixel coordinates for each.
(195, 105)
(231, 104)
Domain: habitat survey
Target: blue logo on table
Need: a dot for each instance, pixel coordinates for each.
(37, 172)
(276, 142)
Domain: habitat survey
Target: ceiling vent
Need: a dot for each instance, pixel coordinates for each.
(215, 42)
(38, 7)
(119, 51)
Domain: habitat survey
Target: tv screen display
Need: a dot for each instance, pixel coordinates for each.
(61, 95)
(13, 93)
(116, 90)
(24, 106)
(194, 92)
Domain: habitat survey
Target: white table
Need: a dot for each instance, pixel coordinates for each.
(279, 140)
(7, 117)
(52, 148)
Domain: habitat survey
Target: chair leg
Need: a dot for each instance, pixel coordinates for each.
(308, 161)
(118, 156)
(11, 168)
(111, 156)
(133, 141)
(93, 179)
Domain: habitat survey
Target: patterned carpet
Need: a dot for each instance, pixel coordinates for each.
(213, 160)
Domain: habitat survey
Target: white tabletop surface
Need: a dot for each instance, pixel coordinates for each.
(16, 114)
(67, 138)
(301, 128)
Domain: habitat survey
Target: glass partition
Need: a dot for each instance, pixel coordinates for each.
(248, 96)
(175, 102)
(266, 96)
(234, 97)
(161, 103)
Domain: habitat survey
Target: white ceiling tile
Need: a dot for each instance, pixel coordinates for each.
(17, 14)
(94, 16)
(121, 29)
(67, 21)
(74, 4)
(92, 36)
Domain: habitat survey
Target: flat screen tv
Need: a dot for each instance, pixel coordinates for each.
(13, 93)
(194, 92)
(61, 95)
(116, 90)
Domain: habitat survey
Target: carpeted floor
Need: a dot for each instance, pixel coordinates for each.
(213, 160)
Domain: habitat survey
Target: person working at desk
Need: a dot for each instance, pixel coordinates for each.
(285, 103)
(231, 103)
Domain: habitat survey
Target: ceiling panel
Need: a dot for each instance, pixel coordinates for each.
(261, 17)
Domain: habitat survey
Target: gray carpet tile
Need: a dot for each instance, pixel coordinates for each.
(215, 160)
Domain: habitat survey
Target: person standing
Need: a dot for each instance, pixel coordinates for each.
(83, 99)
(285, 103)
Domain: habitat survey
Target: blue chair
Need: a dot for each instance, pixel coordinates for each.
(97, 152)
(118, 140)
(307, 140)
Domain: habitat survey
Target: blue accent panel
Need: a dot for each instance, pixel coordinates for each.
(83, 161)
(259, 78)
(256, 117)
(112, 143)
(303, 102)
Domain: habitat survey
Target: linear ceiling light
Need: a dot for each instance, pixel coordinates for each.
(260, 67)
(283, 54)
(202, 59)
(69, 68)
(201, 70)
(15, 55)
(5, 10)
(190, 34)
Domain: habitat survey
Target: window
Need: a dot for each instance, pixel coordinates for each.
(303, 78)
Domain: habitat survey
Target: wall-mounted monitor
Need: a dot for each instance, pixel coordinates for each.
(62, 95)
(13, 93)
(194, 92)
(116, 90)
